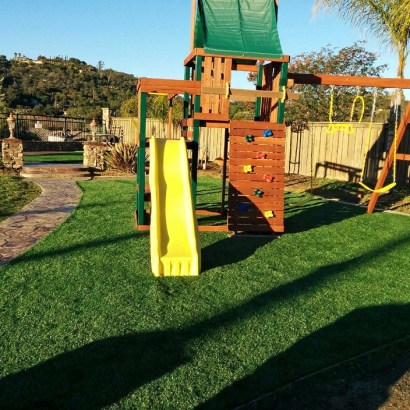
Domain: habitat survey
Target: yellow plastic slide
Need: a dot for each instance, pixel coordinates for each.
(175, 249)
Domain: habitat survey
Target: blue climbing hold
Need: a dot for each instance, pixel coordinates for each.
(267, 133)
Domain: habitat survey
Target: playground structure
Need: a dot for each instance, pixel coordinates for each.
(224, 38)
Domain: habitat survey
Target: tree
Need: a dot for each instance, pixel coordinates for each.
(313, 104)
(387, 20)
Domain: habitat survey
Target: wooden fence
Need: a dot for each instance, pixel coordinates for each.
(336, 156)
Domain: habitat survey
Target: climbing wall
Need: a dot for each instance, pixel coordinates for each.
(256, 177)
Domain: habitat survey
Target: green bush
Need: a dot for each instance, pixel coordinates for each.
(122, 157)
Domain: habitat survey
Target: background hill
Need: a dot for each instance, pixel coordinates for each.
(61, 85)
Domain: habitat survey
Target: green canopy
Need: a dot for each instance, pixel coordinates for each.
(238, 27)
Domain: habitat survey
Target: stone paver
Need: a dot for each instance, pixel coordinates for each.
(58, 199)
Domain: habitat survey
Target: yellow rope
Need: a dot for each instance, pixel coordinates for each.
(361, 99)
(388, 187)
(345, 127)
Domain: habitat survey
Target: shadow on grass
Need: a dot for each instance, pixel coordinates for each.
(359, 331)
(303, 214)
(103, 372)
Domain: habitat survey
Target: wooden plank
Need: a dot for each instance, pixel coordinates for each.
(256, 200)
(210, 116)
(238, 169)
(245, 67)
(256, 213)
(226, 78)
(218, 83)
(250, 191)
(189, 60)
(238, 176)
(247, 95)
(206, 81)
(261, 184)
(214, 124)
(349, 81)
(257, 162)
(201, 52)
(260, 141)
(403, 157)
(213, 228)
(247, 148)
(270, 154)
(168, 86)
(249, 228)
(256, 125)
(277, 203)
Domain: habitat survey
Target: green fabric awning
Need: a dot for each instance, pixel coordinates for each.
(238, 27)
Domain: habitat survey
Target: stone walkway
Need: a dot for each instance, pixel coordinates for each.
(22, 230)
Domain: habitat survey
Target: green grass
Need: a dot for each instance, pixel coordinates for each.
(63, 158)
(15, 193)
(85, 325)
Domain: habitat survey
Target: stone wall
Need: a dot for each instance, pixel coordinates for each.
(12, 153)
(94, 155)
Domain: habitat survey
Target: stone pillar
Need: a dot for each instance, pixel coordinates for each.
(12, 153)
(94, 155)
(106, 120)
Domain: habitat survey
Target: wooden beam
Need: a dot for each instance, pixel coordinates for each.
(166, 86)
(245, 67)
(201, 52)
(193, 20)
(238, 94)
(349, 81)
(403, 157)
(389, 160)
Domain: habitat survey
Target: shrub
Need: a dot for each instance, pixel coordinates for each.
(122, 157)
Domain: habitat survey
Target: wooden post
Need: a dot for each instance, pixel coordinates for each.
(193, 21)
(170, 97)
(224, 169)
(142, 117)
(389, 160)
(196, 131)
(257, 113)
(282, 85)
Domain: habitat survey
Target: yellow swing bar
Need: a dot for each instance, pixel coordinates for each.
(345, 127)
(388, 187)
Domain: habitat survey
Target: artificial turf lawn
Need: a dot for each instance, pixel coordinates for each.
(84, 324)
(63, 158)
(15, 192)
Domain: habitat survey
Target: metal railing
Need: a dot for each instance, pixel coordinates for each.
(46, 128)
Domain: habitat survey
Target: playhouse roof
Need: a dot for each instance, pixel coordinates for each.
(238, 28)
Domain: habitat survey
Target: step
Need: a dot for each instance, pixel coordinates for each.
(56, 175)
(55, 170)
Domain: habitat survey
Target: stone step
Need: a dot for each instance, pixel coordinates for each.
(51, 170)
(56, 175)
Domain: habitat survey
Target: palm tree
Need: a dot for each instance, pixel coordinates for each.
(387, 20)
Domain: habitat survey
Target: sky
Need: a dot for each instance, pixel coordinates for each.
(151, 38)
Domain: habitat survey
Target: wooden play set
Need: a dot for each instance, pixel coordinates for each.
(225, 38)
